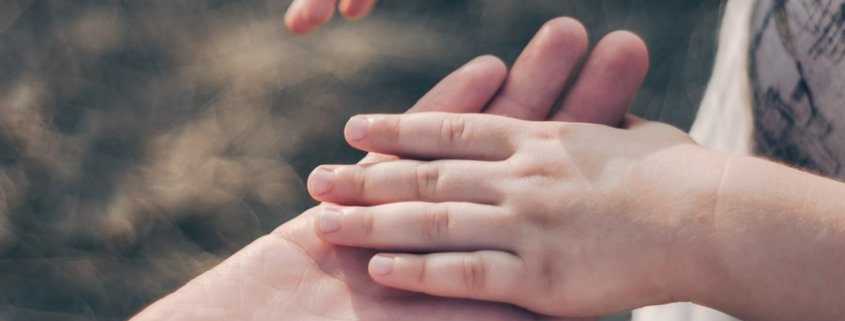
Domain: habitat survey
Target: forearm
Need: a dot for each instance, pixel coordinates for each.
(779, 236)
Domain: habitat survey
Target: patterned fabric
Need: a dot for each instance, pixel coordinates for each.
(797, 73)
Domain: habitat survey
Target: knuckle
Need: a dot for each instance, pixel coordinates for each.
(539, 173)
(368, 221)
(427, 180)
(551, 282)
(553, 132)
(422, 274)
(453, 129)
(532, 170)
(474, 274)
(436, 224)
(395, 127)
(548, 278)
(359, 180)
(544, 134)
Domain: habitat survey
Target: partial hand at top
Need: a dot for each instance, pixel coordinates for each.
(304, 16)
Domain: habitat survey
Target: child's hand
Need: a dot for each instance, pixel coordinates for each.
(563, 219)
(304, 16)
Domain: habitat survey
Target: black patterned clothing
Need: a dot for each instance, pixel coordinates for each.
(798, 78)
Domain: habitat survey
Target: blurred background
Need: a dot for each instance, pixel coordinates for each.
(143, 141)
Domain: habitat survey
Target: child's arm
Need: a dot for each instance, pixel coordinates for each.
(579, 220)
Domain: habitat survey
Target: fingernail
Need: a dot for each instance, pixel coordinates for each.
(329, 220)
(356, 128)
(382, 265)
(320, 181)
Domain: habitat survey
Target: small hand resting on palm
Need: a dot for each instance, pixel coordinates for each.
(563, 219)
(571, 219)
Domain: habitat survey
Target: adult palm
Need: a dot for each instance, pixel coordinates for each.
(292, 274)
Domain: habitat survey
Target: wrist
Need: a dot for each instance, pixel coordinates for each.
(708, 275)
(775, 234)
(685, 201)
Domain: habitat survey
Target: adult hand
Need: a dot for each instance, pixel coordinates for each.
(293, 274)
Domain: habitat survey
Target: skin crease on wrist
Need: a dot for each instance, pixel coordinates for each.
(781, 243)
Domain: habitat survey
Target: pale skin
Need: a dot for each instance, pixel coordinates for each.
(304, 16)
(576, 220)
(292, 274)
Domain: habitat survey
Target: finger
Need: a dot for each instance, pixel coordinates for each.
(404, 181)
(356, 9)
(484, 275)
(417, 226)
(608, 82)
(466, 90)
(434, 135)
(303, 16)
(542, 71)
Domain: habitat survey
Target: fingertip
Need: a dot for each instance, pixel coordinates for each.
(630, 37)
(484, 74)
(292, 18)
(381, 266)
(466, 90)
(627, 49)
(487, 60)
(304, 16)
(486, 67)
(625, 58)
(320, 182)
(568, 29)
(356, 9)
(297, 26)
(542, 70)
(317, 15)
(365, 132)
(619, 61)
(375, 133)
(356, 128)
